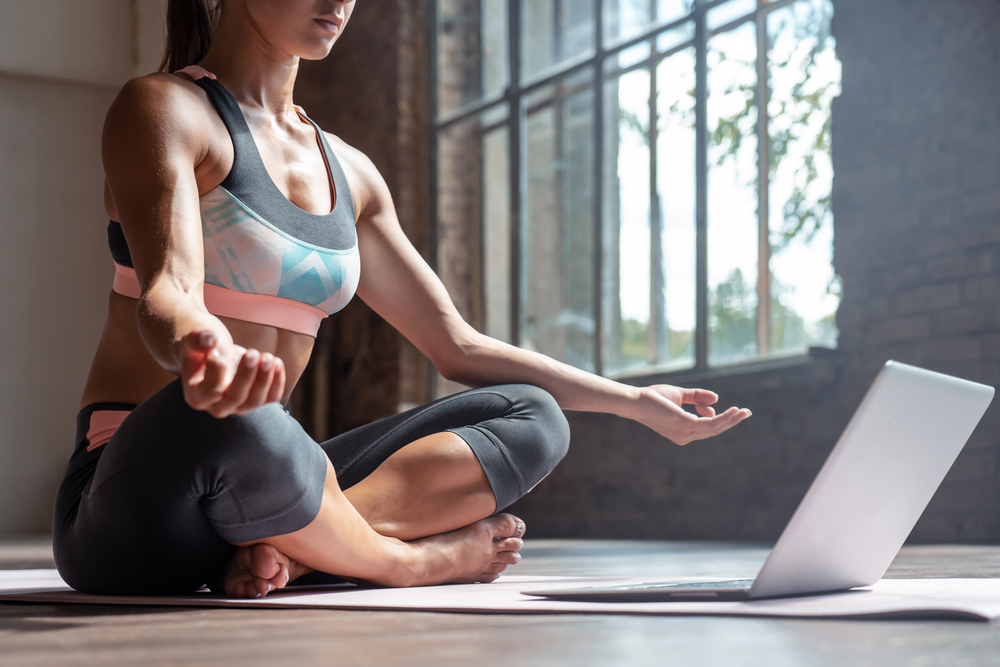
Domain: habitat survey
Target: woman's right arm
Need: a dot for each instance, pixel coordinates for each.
(155, 143)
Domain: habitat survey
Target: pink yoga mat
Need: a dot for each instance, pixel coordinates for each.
(969, 599)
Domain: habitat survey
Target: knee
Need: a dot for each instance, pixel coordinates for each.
(266, 443)
(265, 475)
(549, 437)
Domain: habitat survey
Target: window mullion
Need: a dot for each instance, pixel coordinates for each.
(598, 186)
(763, 187)
(514, 111)
(657, 315)
(656, 352)
(701, 193)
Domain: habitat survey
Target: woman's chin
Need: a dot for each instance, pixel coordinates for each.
(316, 51)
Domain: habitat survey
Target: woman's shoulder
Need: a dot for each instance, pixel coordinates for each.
(162, 99)
(348, 154)
(367, 183)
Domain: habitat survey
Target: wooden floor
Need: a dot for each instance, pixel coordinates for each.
(36, 634)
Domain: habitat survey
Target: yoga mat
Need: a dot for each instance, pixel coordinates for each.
(966, 599)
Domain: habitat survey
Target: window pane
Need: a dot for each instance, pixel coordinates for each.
(676, 190)
(627, 58)
(626, 18)
(732, 196)
(671, 10)
(471, 51)
(671, 38)
(473, 213)
(804, 79)
(557, 233)
(554, 31)
(497, 233)
(626, 289)
(729, 11)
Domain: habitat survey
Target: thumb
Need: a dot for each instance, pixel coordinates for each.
(195, 348)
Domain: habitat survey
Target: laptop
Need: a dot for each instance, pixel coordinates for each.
(862, 505)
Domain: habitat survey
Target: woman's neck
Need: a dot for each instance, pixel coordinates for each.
(253, 70)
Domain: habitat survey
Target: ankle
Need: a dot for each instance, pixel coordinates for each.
(413, 565)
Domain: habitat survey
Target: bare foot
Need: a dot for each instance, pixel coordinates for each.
(474, 554)
(256, 570)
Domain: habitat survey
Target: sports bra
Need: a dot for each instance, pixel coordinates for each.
(266, 260)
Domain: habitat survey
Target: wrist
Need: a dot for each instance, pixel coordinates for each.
(634, 402)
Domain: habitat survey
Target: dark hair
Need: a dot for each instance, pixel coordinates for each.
(190, 25)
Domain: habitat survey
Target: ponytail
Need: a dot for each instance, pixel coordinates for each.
(190, 25)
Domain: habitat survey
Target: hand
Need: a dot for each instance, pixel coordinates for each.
(660, 409)
(224, 379)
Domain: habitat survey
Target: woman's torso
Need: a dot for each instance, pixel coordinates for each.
(298, 174)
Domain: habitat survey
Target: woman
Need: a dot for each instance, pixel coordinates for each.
(237, 225)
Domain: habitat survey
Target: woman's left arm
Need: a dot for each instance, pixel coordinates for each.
(401, 287)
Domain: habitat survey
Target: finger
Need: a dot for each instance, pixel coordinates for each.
(704, 410)
(261, 385)
(192, 369)
(277, 389)
(724, 422)
(199, 343)
(201, 396)
(706, 427)
(216, 367)
(699, 396)
(238, 390)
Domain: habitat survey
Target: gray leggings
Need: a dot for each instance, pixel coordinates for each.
(157, 509)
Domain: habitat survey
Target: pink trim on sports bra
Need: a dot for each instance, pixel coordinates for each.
(196, 72)
(266, 309)
(103, 424)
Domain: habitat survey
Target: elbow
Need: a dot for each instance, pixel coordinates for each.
(451, 368)
(456, 362)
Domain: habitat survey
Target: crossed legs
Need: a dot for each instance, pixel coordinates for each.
(406, 500)
(431, 486)
(434, 488)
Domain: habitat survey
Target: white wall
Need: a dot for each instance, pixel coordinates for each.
(61, 63)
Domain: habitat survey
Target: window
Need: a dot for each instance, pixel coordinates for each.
(635, 201)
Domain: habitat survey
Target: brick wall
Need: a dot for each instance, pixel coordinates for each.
(916, 201)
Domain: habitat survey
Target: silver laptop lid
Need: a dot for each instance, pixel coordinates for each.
(876, 482)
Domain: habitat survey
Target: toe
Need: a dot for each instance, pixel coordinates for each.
(507, 557)
(496, 568)
(281, 579)
(487, 578)
(265, 563)
(261, 587)
(508, 525)
(510, 544)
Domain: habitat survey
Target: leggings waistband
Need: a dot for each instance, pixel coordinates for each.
(101, 420)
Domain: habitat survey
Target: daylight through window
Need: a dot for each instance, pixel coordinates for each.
(644, 184)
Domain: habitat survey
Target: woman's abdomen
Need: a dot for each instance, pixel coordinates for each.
(124, 371)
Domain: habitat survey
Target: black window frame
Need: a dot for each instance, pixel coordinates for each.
(517, 90)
